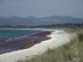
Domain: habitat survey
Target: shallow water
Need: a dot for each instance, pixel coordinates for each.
(5, 34)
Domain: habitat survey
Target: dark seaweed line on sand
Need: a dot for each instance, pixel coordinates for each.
(25, 42)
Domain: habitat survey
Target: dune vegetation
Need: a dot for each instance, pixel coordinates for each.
(72, 52)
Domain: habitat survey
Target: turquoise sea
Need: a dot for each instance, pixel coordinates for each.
(5, 34)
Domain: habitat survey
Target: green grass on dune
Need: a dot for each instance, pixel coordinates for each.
(72, 52)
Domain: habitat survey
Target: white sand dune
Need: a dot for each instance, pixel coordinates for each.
(59, 37)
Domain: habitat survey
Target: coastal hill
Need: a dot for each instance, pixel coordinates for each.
(33, 21)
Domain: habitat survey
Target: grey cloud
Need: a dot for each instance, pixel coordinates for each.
(1, 1)
(41, 8)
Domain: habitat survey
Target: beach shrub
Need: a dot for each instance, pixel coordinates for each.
(72, 52)
(80, 37)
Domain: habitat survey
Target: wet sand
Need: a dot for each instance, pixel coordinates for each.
(23, 43)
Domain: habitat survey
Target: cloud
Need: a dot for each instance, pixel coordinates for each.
(0, 1)
(41, 8)
(81, 0)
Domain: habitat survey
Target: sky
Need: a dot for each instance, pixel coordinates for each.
(41, 8)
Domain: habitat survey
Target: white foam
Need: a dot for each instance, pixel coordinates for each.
(59, 37)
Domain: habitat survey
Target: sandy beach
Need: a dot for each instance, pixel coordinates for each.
(24, 42)
(58, 38)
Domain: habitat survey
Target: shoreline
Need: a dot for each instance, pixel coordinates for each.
(43, 29)
(23, 42)
(58, 38)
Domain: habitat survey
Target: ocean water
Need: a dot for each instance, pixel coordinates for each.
(5, 34)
